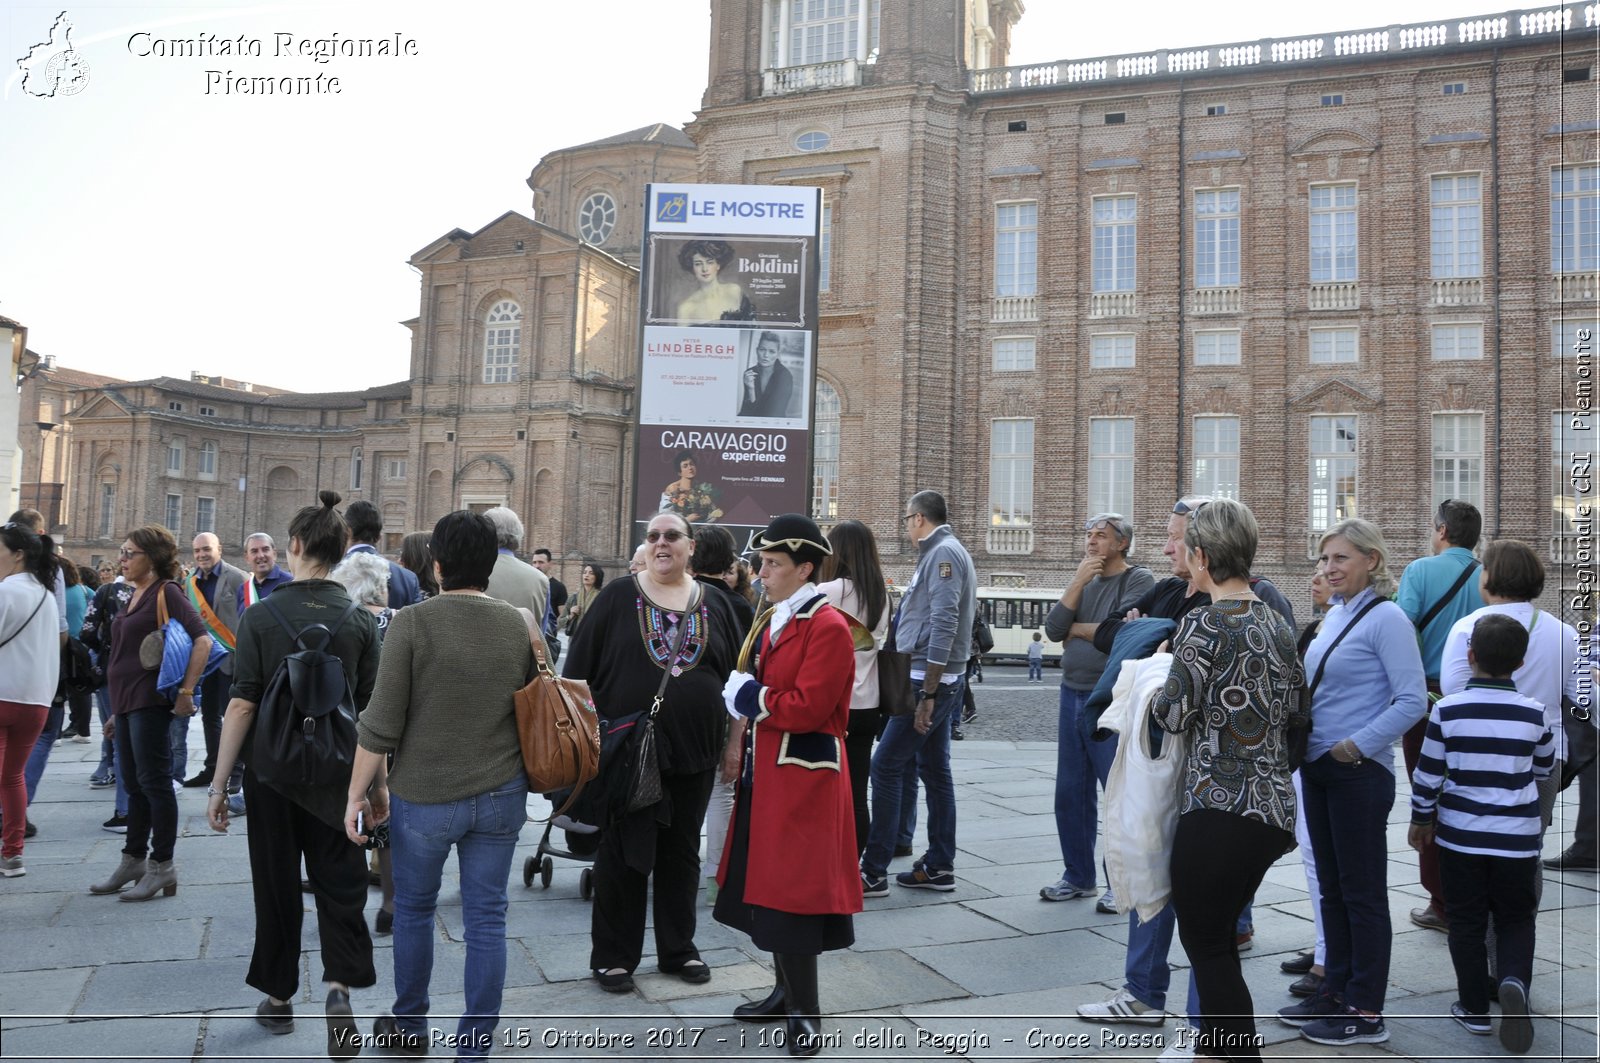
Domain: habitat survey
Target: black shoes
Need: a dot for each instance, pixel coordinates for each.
(277, 1018)
(1301, 964)
(387, 1035)
(344, 1040)
(773, 1009)
(203, 778)
(384, 923)
(1572, 860)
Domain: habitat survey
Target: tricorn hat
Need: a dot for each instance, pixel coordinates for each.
(795, 534)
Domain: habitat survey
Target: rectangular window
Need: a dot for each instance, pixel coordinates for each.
(1333, 99)
(1113, 243)
(1111, 350)
(1458, 458)
(1572, 481)
(174, 406)
(1333, 233)
(175, 457)
(1111, 465)
(1457, 343)
(1333, 470)
(1455, 88)
(208, 460)
(108, 509)
(1016, 249)
(1216, 456)
(1456, 225)
(1333, 345)
(825, 250)
(1575, 219)
(1570, 338)
(500, 353)
(826, 31)
(355, 468)
(208, 411)
(1116, 117)
(1214, 110)
(1011, 473)
(205, 515)
(395, 469)
(1216, 239)
(1014, 354)
(174, 520)
(1216, 347)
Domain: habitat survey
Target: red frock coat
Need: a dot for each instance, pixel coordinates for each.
(802, 855)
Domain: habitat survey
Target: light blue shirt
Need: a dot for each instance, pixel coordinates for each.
(1373, 689)
(1424, 582)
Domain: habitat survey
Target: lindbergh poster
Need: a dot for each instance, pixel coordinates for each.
(727, 354)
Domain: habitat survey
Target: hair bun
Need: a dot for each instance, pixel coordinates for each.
(329, 499)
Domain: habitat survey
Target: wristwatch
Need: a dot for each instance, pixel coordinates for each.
(928, 695)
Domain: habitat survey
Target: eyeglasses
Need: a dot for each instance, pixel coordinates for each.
(1185, 508)
(1116, 520)
(671, 536)
(910, 516)
(125, 554)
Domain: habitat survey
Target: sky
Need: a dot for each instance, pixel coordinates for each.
(156, 224)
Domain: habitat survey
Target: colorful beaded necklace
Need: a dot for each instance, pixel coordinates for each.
(659, 628)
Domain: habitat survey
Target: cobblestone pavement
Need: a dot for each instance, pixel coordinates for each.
(987, 972)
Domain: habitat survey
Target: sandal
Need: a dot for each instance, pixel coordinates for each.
(614, 980)
(695, 972)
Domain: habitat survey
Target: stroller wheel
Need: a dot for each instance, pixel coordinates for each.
(586, 883)
(527, 872)
(547, 869)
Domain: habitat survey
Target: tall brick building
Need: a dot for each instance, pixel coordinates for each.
(1332, 275)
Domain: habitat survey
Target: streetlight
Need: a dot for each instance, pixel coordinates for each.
(45, 428)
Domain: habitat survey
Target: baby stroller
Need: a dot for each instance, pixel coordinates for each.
(582, 840)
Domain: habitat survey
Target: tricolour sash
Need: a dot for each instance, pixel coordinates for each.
(219, 631)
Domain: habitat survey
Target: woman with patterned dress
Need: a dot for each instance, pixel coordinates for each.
(1235, 684)
(789, 874)
(622, 647)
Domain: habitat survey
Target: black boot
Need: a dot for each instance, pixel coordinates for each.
(774, 1008)
(800, 983)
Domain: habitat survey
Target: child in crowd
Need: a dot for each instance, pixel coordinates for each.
(1474, 793)
(1036, 659)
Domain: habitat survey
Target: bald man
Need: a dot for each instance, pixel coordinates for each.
(215, 583)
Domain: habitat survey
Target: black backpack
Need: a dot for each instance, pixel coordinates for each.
(306, 722)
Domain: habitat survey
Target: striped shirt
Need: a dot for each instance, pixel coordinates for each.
(1483, 750)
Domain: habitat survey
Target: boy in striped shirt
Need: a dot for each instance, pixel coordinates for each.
(1473, 793)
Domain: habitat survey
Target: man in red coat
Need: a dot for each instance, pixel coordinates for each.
(794, 792)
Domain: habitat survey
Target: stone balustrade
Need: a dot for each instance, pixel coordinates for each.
(1016, 308)
(1576, 288)
(1214, 301)
(1345, 295)
(1111, 304)
(1457, 291)
(1009, 540)
(1488, 31)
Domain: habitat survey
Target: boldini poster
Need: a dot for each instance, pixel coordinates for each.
(727, 354)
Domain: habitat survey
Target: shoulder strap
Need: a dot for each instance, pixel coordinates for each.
(349, 611)
(1322, 665)
(1461, 581)
(28, 621)
(161, 605)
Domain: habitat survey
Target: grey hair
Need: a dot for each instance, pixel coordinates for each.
(1367, 539)
(366, 577)
(507, 527)
(263, 536)
(931, 505)
(1227, 531)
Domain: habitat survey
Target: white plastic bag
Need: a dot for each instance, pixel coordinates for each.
(1143, 793)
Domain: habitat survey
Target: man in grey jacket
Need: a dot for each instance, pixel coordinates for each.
(1103, 585)
(933, 625)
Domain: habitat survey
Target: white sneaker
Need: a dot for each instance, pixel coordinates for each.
(1122, 1007)
(1180, 1050)
(177, 787)
(1062, 890)
(1107, 904)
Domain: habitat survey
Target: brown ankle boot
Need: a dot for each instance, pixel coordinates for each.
(131, 869)
(161, 878)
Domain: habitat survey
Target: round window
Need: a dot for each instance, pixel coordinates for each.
(812, 141)
(597, 217)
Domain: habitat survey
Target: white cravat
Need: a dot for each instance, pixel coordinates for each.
(784, 610)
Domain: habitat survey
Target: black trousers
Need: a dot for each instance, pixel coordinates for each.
(145, 748)
(1474, 887)
(215, 690)
(863, 731)
(1218, 861)
(1581, 739)
(280, 832)
(79, 704)
(616, 927)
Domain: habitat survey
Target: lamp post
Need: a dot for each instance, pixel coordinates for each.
(45, 428)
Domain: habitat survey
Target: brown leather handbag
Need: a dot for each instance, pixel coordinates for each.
(557, 729)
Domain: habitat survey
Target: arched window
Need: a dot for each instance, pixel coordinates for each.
(596, 218)
(825, 455)
(502, 339)
(208, 460)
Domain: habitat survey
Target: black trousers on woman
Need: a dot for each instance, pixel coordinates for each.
(145, 750)
(1218, 861)
(616, 927)
(863, 731)
(280, 831)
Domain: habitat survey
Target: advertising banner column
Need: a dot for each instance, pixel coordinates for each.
(728, 358)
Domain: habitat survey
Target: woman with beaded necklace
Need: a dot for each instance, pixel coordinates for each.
(625, 643)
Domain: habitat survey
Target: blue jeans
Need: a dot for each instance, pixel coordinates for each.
(144, 748)
(483, 830)
(899, 747)
(1347, 814)
(1035, 669)
(1145, 967)
(33, 771)
(110, 755)
(1080, 762)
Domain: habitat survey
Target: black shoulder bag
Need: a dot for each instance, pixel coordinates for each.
(1438, 606)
